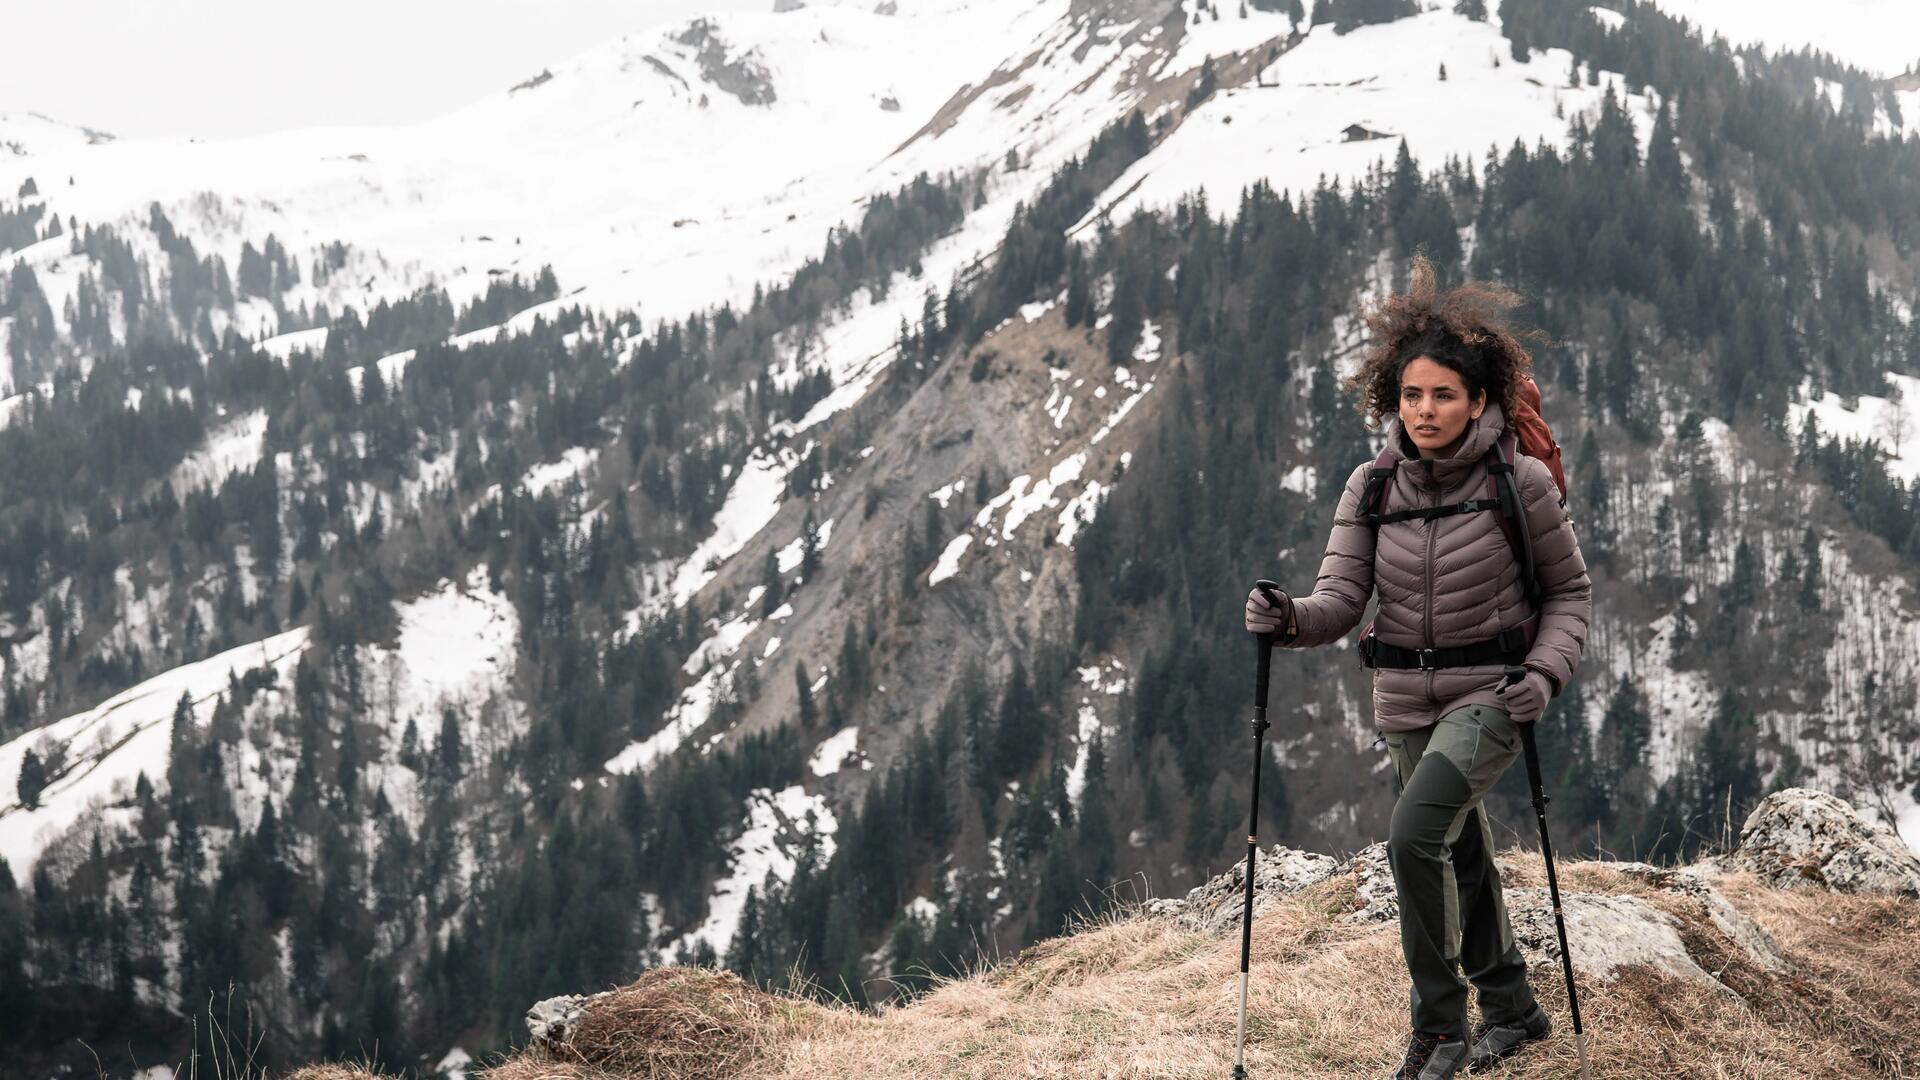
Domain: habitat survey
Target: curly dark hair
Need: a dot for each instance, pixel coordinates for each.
(1466, 329)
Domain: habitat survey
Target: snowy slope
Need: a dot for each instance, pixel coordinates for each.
(1878, 36)
(1892, 421)
(1288, 127)
(631, 169)
(455, 649)
(107, 747)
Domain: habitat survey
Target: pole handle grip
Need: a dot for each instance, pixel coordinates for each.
(1266, 651)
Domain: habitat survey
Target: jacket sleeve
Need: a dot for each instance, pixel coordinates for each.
(1566, 595)
(1345, 584)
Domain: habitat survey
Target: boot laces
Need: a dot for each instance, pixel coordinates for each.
(1419, 1050)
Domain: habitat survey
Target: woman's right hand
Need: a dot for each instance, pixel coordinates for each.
(1266, 618)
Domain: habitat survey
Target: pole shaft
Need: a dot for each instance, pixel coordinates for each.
(1265, 645)
(1264, 642)
(1531, 748)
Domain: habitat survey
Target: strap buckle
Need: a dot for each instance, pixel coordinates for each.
(1426, 659)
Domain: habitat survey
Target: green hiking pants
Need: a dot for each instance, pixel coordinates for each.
(1440, 847)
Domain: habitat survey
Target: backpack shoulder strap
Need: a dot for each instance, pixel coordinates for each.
(1373, 498)
(1502, 485)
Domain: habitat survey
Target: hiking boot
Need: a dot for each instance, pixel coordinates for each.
(1492, 1042)
(1432, 1057)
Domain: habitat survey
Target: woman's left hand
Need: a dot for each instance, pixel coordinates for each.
(1526, 699)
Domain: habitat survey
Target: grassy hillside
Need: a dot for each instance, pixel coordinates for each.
(1138, 994)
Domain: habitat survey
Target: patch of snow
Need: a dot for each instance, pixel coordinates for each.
(1080, 510)
(1088, 726)
(232, 447)
(686, 716)
(1893, 421)
(575, 461)
(1607, 17)
(724, 642)
(453, 1066)
(789, 556)
(1147, 349)
(949, 562)
(946, 492)
(282, 347)
(456, 648)
(834, 752)
(777, 822)
(1026, 502)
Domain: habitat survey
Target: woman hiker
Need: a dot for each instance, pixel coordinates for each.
(1453, 613)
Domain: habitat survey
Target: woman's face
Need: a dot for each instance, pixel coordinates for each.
(1434, 407)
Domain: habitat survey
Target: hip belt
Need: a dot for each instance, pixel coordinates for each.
(1509, 646)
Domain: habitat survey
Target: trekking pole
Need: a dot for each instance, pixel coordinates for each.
(1540, 800)
(1265, 645)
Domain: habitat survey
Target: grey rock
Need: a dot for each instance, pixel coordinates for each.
(1216, 906)
(552, 1022)
(1375, 898)
(1798, 838)
(1604, 933)
(743, 76)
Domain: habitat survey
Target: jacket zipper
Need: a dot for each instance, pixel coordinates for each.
(1427, 610)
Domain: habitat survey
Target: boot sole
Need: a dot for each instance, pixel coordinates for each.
(1469, 1066)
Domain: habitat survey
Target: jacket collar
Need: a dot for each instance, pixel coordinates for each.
(1446, 472)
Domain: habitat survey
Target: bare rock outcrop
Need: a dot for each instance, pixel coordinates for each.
(1216, 906)
(1798, 838)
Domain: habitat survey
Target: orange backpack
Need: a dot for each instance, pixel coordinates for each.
(1536, 438)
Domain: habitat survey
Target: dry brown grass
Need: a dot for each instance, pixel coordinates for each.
(333, 1072)
(1136, 997)
(674, 1023)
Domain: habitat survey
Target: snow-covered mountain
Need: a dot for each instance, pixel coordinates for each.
(690, 166)
(681, 167)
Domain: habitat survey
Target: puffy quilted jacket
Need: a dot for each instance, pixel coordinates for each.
(1448, 581)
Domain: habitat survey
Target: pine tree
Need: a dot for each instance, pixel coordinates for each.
(1057, 893)
(1127, 316)
(1726, 779)
(745, 955)
(1743, 586)
(1811, 581)
(182, 748)
(448, 754)
(804, 692)
(809, 547)
(1664, 167)
(774, 585)
(1628, 730)
(33, 779)
(1019, 730)
(410, 747)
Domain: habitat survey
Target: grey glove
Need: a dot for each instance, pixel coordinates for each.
(1265, 618)
(1527, 699)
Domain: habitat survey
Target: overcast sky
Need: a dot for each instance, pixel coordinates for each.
(217, 68)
